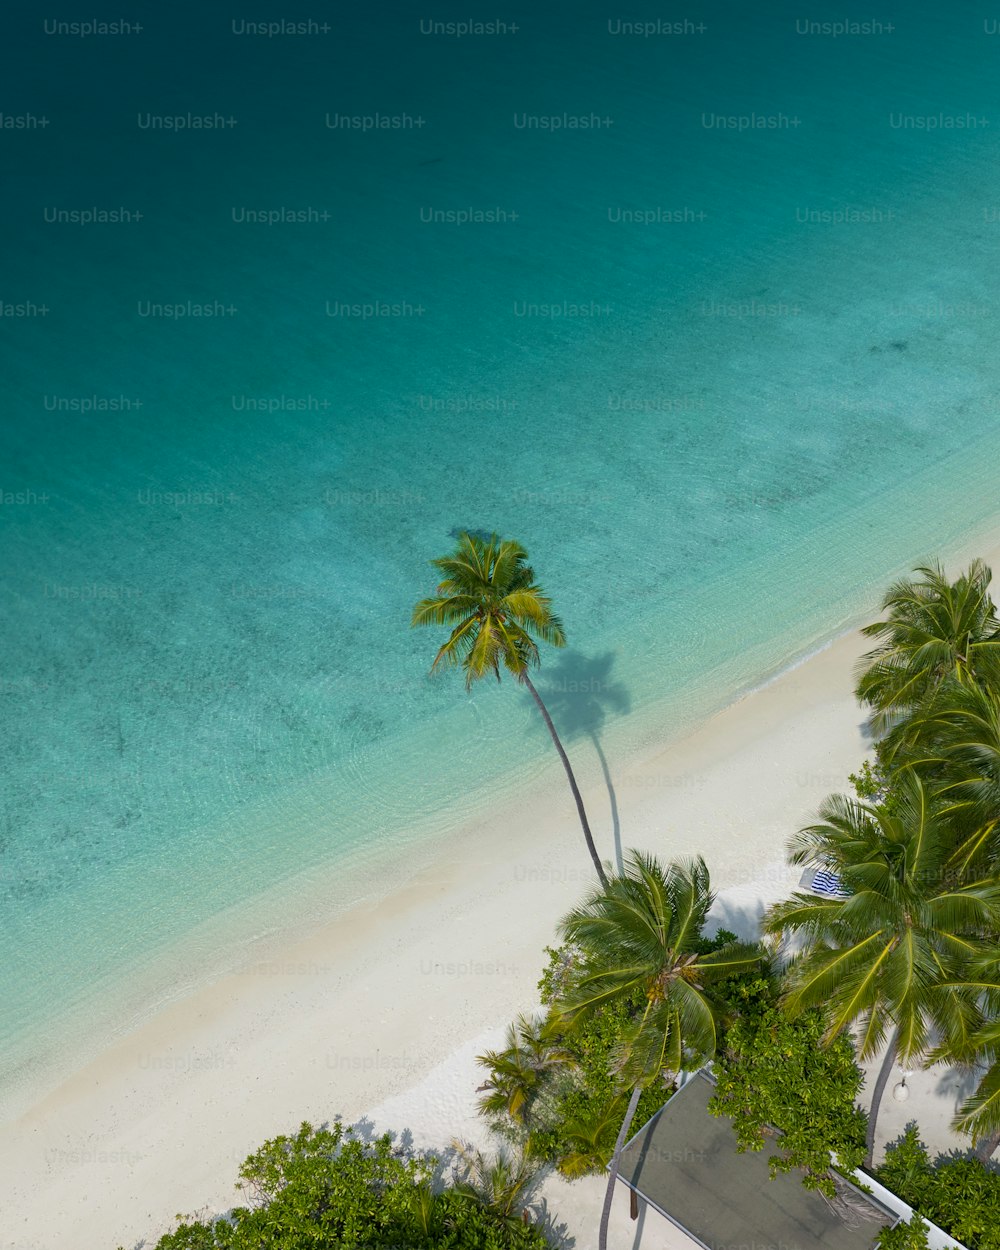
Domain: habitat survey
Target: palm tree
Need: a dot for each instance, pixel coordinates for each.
(591, 1136)
(935, 630)
(502, 1183)
(517, 1071)
(639, 940)
(979, 1115)
(425, 1205)
(954, 744)
(489, 596)
(892, 956)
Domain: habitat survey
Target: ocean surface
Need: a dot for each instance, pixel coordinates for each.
(701, 308)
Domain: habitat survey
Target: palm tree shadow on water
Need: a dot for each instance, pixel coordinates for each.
(581, 692)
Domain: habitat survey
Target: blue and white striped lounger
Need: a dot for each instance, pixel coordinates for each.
(828, 883)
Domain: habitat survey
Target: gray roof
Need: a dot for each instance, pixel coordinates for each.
(684, 1163)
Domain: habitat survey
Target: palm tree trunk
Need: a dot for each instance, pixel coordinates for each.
(879, 1090)
(616, 827)
(633, 1102)
(987, 1148)
(572, 780)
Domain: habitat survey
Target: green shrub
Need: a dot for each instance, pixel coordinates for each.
(773, 1073)
(870, 782)
(328, 1189)
(958, 1194)
(909, 1236)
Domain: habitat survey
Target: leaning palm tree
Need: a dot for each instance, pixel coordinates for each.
(891, 957)
(488, 595)
(934, 631)
(638, 943)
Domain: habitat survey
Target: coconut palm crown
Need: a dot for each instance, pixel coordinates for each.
(979, 1115)
(517, 1071)
(488, 595)
(639, 936)
(934, 631)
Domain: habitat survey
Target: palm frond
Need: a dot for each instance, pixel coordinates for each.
(979, 1115)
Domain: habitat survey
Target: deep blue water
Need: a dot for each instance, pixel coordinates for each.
(705, 319)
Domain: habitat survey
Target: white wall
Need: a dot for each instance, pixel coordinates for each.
(936, 1239)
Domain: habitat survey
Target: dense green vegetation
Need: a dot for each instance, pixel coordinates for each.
(552, 1090)
(772, 1071)
(326, 1188)
(911, 1235)
(957, 1194)
(911, 957)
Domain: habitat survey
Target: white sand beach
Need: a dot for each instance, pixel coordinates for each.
(382, 1011)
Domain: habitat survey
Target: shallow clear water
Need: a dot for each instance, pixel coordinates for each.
(760, 413)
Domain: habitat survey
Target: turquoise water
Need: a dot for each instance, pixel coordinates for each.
(780, 385)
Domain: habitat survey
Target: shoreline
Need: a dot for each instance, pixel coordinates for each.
(238, 943)
(256, 927)
(363, 1009)
(360, 1009)
(246, 937)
